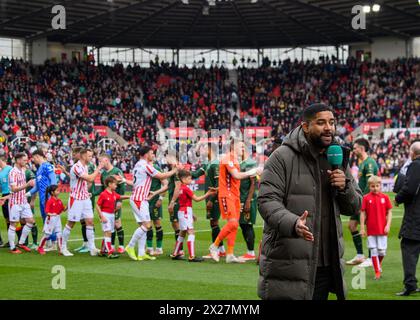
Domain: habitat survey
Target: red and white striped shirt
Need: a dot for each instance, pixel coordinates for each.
(143, 174)
(17, 178)
(78, 186)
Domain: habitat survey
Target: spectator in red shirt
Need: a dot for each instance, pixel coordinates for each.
(376, 213)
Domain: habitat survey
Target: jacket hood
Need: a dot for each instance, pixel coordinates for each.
(297, 141)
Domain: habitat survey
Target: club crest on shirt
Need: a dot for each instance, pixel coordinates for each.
(230, 164)
(382, 200)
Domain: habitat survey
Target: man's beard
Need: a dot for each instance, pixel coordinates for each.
(320, 142)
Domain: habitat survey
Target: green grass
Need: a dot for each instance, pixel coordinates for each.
(29, 276)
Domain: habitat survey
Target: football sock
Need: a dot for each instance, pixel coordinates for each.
(159, 237)
(84, 234)
(249, 235)
(11, 234)
(178, 244)
(190, 243)
(357, 240)
(215, 230)
(25, 232)
(142, 243)
(136, 236)
(113, 236)
(108, 244)
(120, 235)
(66, 236)
(34, 232)
(149, 242)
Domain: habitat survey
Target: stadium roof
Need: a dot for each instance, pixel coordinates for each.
(229, 24)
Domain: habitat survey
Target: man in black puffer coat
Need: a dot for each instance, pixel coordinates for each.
(301, 198)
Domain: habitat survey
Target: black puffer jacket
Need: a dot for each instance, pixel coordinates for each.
(410, 196)
(289, 183)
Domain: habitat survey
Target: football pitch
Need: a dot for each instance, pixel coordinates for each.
(30, 276)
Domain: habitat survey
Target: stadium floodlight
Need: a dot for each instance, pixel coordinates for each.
(376, 7)
(366, 9)
(255, 1)
(211, 2)
(185, 1)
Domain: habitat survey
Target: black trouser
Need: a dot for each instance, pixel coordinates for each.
(324, 283)
(410, 250)
(5, 207)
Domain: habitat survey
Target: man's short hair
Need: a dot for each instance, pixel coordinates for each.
(105, 155)
(77, 149)
(374, 180)
(85, 150)
(3, 157)
(38, 152)
(144, 149)
(364, 143)
(20, 155)
(310, 112)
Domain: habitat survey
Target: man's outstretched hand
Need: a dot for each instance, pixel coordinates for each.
(302, 230)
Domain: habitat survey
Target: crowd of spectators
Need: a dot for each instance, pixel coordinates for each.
(392, 153)
(59, 104)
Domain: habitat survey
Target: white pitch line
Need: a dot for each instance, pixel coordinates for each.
(208, 230)
(165, 233)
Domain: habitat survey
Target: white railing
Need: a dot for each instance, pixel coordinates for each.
(20, 140)
(105, 143)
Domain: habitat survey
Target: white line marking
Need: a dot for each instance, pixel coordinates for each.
(209, 230)
(165, 233)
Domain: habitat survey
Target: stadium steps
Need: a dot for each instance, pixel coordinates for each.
(113, 135)
(358, 133)
(233, 77)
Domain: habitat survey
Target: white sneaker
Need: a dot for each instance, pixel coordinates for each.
(366, 264)
(48, 246)
(94, 252)
(214, 252)
(355, 261)
(66, 253)
(158, 251)
(150, 251)
(230, 258)
(54, 246)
